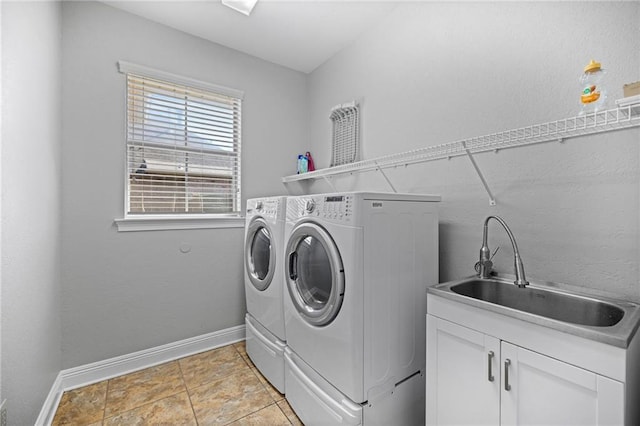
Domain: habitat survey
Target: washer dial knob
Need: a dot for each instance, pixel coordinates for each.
(310, 206)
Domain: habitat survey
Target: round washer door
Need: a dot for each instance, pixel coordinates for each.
(259, 254)
(315, 274)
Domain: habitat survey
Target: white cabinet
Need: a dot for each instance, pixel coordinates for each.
(463, 375)
(539, 390)
(477, 379)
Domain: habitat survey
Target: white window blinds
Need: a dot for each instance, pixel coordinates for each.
(346, 134)
(183, 149)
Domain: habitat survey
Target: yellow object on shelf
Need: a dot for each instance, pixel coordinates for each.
(593, 66)
(594, 95)
(591, 97)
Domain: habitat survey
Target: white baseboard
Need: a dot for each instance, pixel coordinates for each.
(51, 403)
(102, 370)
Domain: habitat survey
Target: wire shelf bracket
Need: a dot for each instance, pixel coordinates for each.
(492, 199)
(384, 175)
(326, 178)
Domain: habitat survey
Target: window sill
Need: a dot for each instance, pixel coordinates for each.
(166, 223)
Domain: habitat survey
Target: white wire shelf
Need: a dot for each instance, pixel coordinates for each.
(619, 118)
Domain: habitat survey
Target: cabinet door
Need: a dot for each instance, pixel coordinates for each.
(463, 375)
(538, 390)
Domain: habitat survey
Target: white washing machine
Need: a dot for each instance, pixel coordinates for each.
(356, 272)
(264, 284)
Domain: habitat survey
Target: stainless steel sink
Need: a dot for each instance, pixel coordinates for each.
(549, 304)
(575, 310)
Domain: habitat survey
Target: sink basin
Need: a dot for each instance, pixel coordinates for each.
(583, 312)
(549, 304)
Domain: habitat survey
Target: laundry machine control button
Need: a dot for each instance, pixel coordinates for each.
(310, 206)
(259, 205)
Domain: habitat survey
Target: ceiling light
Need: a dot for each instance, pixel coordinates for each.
(243, 6)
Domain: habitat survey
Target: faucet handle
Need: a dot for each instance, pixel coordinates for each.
(494, 252)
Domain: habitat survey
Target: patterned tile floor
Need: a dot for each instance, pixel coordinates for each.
(218, 387)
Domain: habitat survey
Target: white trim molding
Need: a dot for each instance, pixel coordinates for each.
(164, 223)
(84, 375)
(50, 405)
(129, 68)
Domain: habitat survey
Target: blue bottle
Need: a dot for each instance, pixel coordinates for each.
(303, 164)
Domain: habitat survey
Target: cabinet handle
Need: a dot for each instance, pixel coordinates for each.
(507, 363)
(489, 363)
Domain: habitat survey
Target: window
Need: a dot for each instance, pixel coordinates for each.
(183, 146)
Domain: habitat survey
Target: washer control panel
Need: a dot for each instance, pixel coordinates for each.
(267, 208)
(338, 207)
(333, 207)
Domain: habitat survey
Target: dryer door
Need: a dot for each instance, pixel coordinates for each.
(315, 275)
(259, 254)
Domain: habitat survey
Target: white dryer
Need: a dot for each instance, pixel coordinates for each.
(357, 268)
(264, 283)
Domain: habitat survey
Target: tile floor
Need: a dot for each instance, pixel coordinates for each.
(218, 387)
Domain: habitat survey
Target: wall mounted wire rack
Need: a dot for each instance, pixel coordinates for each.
(626, 115)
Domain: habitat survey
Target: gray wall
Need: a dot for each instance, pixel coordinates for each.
(433, 73)
(31, 196)
(127, 291)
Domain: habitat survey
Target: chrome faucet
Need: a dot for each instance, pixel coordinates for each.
(485, 254)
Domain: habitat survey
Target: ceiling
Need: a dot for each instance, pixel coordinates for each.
(297, 34)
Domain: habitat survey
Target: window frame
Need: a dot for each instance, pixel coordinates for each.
(142, 222)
